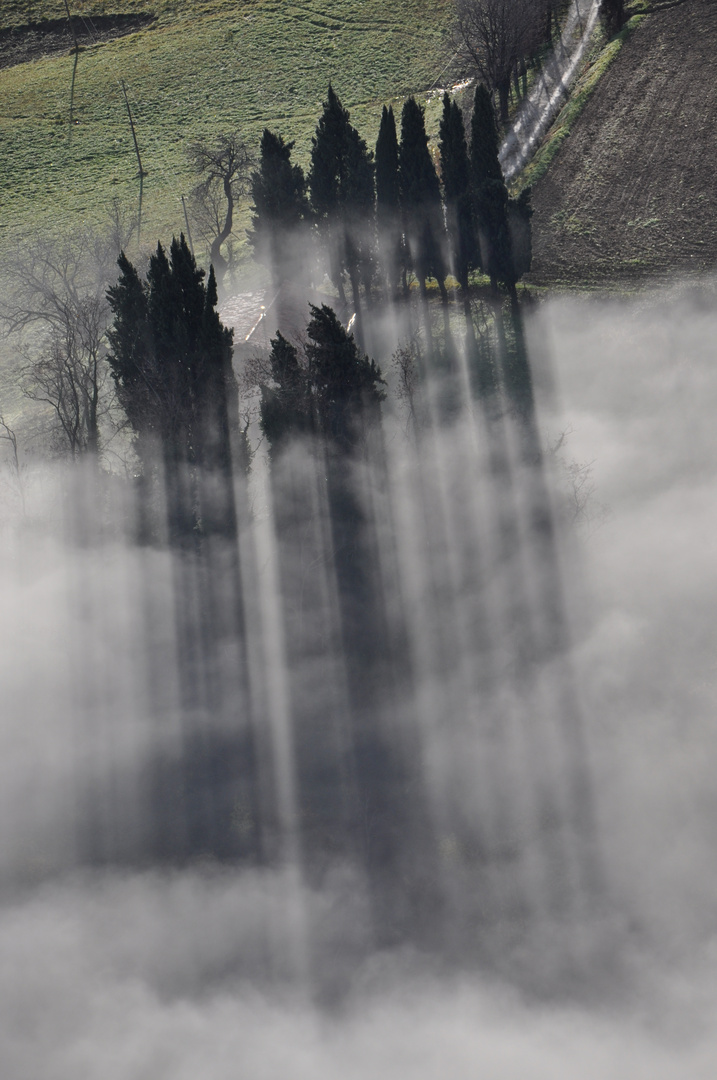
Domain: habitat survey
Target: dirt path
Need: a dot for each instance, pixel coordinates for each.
(633, 192)
(551, 88)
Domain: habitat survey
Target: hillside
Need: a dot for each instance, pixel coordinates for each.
(197, 69)
(632, 192)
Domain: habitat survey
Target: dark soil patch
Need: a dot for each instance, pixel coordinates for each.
(23, 43)
(633, 191)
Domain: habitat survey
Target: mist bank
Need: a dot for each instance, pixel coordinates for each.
(119, 966)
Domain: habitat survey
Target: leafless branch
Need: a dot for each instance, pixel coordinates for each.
(55, 303)
(225, 170)
(495, 37)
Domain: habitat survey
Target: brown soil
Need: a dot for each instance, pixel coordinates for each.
(54, 37)
(633, 192)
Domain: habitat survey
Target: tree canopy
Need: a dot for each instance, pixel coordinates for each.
(490, 195)
(329, 391)
(341, 188)
(170, 357)
(278, 189)
(420, 197)
(496, 36)
(456, 176)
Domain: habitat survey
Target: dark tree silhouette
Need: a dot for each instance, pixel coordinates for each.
(503, 224)
(388, 201)
(332, 391)
(278, 189)
(421, 199)
(613, 15)
(286, 409)
(485, 141)
(171, 361)
(490, 195)
(341, 187)
(347, 386)
(456, 176)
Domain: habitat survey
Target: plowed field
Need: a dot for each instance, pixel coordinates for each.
(633, 191)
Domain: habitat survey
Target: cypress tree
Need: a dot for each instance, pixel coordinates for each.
(490, 195)
(455, 172)
(341, 187)
(278, 189)
(327, 157)
(131, 357)
(359, 197)
(520, 212)
(285, 411)
(387, 183)
(324, 183)
(346, 385)
(485, 142)
(330, 394)
(218, 405)
(170, 358)
(421, 199)
(388, 210)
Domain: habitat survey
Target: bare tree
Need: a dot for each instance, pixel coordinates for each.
(15, 470)
(121, 227)
(225, 167)
(578, 503)
(253, 373)
(405, 367)
(54, 302)
(495, 37)
(68, 375)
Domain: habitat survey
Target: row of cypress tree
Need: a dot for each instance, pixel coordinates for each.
(380, 217)
(377, 219)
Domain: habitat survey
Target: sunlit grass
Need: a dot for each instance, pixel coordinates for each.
(217, 66)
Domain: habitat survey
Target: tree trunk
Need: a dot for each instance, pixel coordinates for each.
(503, 98)
(219, 263)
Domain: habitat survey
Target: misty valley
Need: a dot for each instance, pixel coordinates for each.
(357, 662)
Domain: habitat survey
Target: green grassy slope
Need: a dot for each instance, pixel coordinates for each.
(201, 68)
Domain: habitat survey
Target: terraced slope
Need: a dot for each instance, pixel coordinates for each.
(633, 191)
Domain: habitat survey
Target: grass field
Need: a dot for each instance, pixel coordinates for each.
(201, 68)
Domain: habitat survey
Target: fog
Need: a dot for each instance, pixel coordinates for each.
(131, 968)
(641, 409)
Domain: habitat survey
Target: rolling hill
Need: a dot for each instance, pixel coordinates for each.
(198, 68)
(630, 194)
